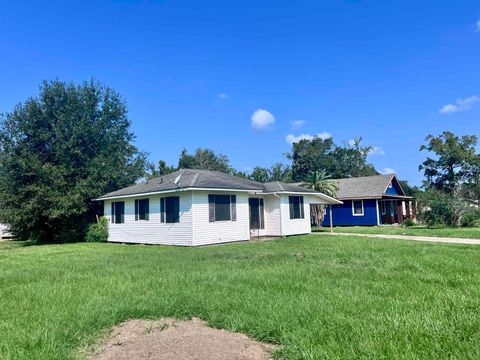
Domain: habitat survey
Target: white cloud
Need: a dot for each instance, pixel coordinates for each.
(351, 142)
(262, 119)
(388, 170)
(460, 105)
(376, 150)
(290, 138)
(477, 25)
(297, 123)
(222, 96)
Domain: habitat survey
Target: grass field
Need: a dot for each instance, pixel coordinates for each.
(460, 232)
(319, 297)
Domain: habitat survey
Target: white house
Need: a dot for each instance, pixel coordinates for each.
(199, 207)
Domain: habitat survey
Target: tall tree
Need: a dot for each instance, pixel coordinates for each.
(338, 161)
(59, 150)
(278, 172)
(320, 181)
(204, 159)
(455, 162)
(160, 170)
(260, 174)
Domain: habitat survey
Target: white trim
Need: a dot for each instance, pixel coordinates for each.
(171, 191)
(378, 215)
(328, 199)
(320, 195)
(353, 209)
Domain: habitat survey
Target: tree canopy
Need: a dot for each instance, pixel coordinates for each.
(204, 159)
(338, 161)
(60, 150)
(455, 164)
(278, 172)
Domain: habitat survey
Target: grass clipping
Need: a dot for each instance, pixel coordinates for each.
(174, 339)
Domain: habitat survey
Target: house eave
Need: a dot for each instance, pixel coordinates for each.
(329, 200)
(101, 198)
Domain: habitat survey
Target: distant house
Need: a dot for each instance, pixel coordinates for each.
(371, 200)
(199, 207)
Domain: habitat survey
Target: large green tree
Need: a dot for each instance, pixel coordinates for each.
(204, 159)
(338, 161)
(58, 150)
(278, 172)
(455, 164)
(160, 170)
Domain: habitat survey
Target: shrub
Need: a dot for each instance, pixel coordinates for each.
(439, 209)
(98, 232)
(471, 218)
(408, 222)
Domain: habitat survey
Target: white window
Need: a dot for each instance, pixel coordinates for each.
(357, 208)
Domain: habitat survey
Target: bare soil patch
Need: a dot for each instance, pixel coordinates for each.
(178, 339)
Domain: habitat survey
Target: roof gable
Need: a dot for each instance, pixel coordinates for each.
(394, 188)
(366, 186)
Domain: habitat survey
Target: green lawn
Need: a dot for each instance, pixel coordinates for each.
(460, 232)
(319, 297)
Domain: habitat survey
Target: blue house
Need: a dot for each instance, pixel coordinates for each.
(370, 200)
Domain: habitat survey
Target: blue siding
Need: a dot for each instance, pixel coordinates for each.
(342, 214)
(395, 189)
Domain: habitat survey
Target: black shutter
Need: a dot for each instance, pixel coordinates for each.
(233, 205)
(122, 212)
(302, 210)
(136, 210)
(290, 203)
(176, 209)
(162, 210)
(113, 212)
(211, 208)
(147, 208)
(261, 214)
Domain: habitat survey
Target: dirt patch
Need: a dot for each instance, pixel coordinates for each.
(174, 339)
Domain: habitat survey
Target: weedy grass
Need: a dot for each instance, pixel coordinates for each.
(344, 297)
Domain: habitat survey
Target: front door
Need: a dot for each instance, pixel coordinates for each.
(256, 213)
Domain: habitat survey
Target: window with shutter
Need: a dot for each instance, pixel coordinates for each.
(172, 209)
(142, 209)
(296, 207)
(162, 210)
(233, 205)
(211, 208)
(222, 208)
(118, 212)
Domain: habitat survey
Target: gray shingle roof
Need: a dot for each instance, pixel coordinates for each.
(192, 178)
(277, 186)
(363, 187)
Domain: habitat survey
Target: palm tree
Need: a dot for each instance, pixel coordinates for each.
(320, 181)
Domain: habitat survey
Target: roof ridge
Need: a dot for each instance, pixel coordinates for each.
(280, 185)
(195, 178)
(365, 177)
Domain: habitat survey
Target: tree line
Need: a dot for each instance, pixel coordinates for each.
(73, 142)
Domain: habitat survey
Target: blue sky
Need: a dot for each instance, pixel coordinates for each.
(193, 73)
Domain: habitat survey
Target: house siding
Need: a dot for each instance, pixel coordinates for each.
(294, 226)
(272, 216)
(152, 231)
(206, 232)
(342, 214)
(394, 190)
